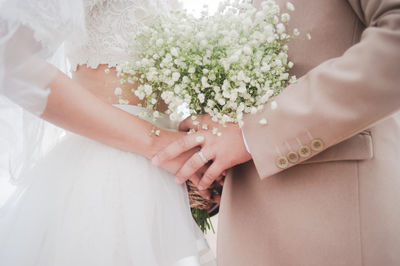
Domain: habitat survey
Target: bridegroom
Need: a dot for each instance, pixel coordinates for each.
(321, 184)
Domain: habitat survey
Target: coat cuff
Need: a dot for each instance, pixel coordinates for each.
(278, 139)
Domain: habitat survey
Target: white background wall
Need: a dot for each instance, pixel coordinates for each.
(196, 6)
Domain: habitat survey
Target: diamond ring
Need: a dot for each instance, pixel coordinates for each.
(202, 157)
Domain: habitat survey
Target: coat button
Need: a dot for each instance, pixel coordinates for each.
(293, 157)
(317, 145)
(305, 151)
(282, 162)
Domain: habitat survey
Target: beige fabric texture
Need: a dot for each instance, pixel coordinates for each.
(341, 204)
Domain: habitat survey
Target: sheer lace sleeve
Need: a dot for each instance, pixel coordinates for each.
(110, 25)
(31, 31)
(52, 21)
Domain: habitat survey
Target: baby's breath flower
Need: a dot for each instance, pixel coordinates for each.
(212, 77)
(290, 6)
(156, 114)
(247, 50)
(280, 28)
(221, 101)
(118, 91)
(123, 101)
(285, 17)
(199, 139)
(160, 42)
(148, 89)
(201, 97)
(174, 52)
(227, 65)
(292, 80)
(176, 76)
(192, 70)
(263, 121)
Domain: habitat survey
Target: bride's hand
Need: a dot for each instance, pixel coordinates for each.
(162, 141)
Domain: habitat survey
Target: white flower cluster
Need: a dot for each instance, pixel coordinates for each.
(225, 65)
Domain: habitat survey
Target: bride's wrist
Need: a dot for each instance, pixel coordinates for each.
(159, 139)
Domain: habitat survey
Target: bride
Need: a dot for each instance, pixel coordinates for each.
(94, 198)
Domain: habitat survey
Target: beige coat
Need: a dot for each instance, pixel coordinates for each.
(324, 184)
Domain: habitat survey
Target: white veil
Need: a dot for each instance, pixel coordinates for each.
(31, 33)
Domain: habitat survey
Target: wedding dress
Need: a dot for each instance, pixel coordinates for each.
(83, 203)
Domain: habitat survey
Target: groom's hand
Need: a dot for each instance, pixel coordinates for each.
(223, 150)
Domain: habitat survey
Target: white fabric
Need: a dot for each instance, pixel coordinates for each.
(110, 25)
(85, 203)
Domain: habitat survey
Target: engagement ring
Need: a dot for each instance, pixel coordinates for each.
(202, 157)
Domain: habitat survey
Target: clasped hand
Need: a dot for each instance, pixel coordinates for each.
(218, 152)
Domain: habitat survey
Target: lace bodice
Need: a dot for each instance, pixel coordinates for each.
(109, 25)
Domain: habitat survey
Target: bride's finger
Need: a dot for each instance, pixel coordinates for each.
(191, 166)
(177, 148)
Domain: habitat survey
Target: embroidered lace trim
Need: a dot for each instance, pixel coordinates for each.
(110, 24)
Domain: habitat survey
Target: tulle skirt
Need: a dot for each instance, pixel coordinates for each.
(87, 204)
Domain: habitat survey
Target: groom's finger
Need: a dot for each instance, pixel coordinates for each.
(205, 194)
(195, 179)
(213, 172)
(178, 147)
(192, 165)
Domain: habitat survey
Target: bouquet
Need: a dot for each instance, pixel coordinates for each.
(225, 65)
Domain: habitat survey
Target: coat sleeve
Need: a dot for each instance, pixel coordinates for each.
(337, 99)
